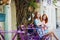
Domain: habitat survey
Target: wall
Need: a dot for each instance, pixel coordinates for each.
(13, 14)
(13, 11)
(1, 23)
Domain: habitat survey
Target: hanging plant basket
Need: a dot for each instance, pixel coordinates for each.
(30, 9)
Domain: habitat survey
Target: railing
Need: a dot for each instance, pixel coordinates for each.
(24, 35)
(29, 36)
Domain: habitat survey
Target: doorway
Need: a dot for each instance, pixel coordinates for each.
(58, 17)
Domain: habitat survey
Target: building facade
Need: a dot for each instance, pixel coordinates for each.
(9, 20)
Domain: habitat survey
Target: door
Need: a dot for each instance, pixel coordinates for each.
(58, 17)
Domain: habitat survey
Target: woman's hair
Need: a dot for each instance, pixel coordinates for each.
(46, 20)
(35, 16)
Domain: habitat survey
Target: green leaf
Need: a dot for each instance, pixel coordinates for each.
(54, 1)
(33, 4)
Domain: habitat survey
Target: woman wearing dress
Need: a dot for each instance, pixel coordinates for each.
(37, 23)
(37, 19)
(46, 28)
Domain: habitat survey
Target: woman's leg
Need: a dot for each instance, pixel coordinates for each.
(53, 35)
(47, 37)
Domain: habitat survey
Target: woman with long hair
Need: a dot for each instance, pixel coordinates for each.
(37, 23)
(44, 19)
(46, 28)
(37, 19)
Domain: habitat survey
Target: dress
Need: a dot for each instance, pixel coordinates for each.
(32, 33)
(42, 29)
(37, 22)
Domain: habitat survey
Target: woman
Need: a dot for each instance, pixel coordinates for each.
(37, 19)
(45, 28)
(37, 23)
